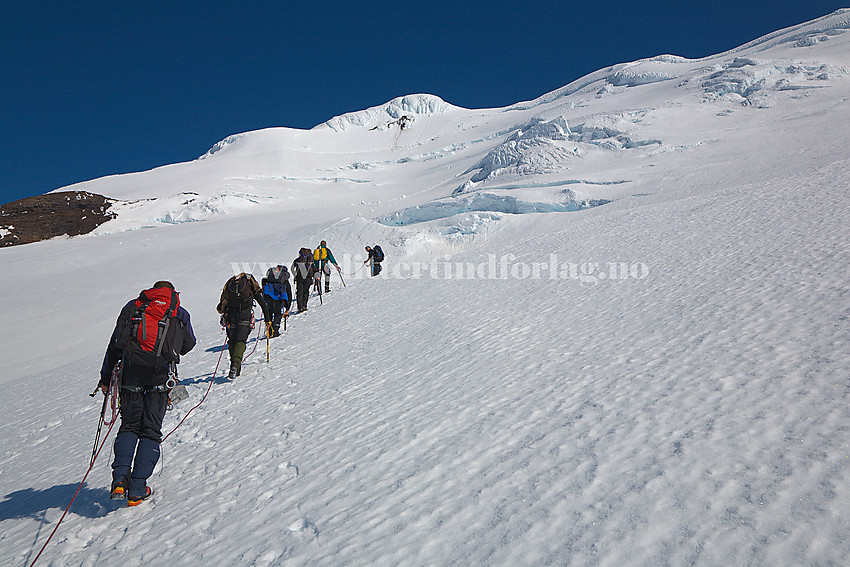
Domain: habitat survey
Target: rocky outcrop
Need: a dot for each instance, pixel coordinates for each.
(38, 218)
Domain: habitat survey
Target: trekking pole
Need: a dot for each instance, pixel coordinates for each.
(339, 271)
(267, 342)
(110, 394)
(99, 427)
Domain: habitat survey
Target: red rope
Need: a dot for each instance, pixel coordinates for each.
(111, 424)
(255, 342)
(91, 466)
(203, 398)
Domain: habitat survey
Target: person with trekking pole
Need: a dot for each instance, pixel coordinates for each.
(322, 258)
(278, 295)
(151, 334)
(236, 306)
(303, 271)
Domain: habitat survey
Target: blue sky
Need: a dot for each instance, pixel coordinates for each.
(96, 88)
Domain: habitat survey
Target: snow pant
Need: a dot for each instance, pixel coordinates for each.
(136, 446)
(376, 268)
(302, 293)
(237, 337)
(326, 270)
(275, 310)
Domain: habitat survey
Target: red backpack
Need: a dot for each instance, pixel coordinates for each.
(152, 335)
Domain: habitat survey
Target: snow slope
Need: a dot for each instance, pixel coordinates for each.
(675, 392)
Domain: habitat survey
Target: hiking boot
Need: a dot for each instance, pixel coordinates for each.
(136, 500)
(327, 290)
(119, 489)
(233, 373)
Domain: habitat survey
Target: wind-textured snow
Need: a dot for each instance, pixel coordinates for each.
(661, 379)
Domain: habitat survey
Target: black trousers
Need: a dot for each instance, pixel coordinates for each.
(239, 327)
(275, 310)
(302, 293)
(142, 413)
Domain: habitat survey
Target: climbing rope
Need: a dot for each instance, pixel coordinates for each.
(352, 274)
(255, 344)
(111, 393)
(111, 401)
(209, 387)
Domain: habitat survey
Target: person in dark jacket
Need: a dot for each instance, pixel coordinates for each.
(278, 295)
(143, 393)
(237, 308)
(303, 271)
(373, 261)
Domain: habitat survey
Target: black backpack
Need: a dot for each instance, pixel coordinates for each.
(282, 277)
(304, 265)
(239, 294)
(379, 254)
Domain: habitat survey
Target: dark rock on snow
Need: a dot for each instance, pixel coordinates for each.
(55, 214)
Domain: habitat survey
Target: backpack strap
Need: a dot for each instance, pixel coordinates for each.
(141, 320)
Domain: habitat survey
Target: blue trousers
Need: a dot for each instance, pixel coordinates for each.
(136, 446)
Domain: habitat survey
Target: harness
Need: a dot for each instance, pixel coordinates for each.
(146, 389)
(169, 385)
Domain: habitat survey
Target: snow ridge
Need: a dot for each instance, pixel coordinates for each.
(418, 104)
(227, 142)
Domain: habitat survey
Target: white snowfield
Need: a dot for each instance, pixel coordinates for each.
(613, 328)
